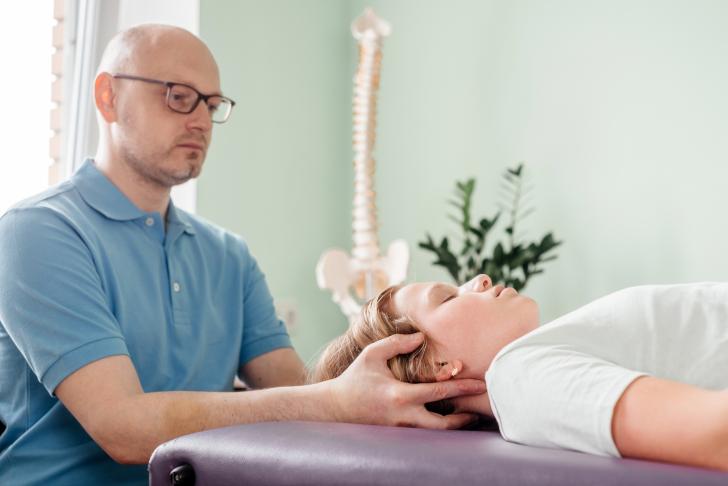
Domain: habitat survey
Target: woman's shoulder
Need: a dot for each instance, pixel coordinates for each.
(621, 325)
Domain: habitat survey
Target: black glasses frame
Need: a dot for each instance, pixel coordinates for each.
(169, 85)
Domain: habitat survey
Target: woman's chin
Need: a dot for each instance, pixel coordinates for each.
(531, 314)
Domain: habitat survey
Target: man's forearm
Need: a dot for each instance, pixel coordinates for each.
(107, 399)
(280, 367)
(147, 420)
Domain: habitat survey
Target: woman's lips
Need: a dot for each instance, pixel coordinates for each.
(509, 291)
(499, 290)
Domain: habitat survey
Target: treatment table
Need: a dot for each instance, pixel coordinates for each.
(314, 453)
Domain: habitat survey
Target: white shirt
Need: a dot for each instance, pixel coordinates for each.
(557, 386)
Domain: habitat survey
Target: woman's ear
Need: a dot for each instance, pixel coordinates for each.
(448, 369)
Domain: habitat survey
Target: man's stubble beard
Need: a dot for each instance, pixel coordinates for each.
(151, 168)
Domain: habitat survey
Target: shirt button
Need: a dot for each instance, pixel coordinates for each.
(149, 221)
(176, 287)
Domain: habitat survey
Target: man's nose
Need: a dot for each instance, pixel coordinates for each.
(200, 118)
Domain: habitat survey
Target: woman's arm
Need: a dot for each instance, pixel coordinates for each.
(668, 421)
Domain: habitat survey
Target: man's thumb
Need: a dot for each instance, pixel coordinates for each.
(393, 345)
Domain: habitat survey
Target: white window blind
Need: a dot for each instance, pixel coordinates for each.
(26, 40)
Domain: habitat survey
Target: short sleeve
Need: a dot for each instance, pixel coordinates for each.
(263, 331)
(52, 303)
(553, 396)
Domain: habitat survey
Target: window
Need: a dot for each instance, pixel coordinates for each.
(26, 43)
(50, 49)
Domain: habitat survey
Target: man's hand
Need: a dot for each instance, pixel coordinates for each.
(367, 392)
(478, 404)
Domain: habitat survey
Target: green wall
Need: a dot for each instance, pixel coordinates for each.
(277, 172)
(618, 107)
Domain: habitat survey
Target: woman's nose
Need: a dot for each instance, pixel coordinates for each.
(480, 283)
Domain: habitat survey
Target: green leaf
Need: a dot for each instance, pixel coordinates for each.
(478, 233)
(429, 244)
(517, 170)
(515, 266)
(466, 248)
(471, 264)
(456, 203)
(498, 254)
(526, 213)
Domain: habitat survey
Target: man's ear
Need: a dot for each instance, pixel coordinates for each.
(105, 97)
(448, 369)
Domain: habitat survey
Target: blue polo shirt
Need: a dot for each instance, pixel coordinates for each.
(85, 274)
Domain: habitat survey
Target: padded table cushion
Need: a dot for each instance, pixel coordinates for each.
(312, 453)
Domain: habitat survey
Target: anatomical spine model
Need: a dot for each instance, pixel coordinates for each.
(366, 272)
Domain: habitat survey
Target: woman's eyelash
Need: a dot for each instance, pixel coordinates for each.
(450, 297)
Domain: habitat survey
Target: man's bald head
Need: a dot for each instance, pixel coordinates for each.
(157, 50)
(139, 133)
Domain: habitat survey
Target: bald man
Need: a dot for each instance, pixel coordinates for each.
(123, 320)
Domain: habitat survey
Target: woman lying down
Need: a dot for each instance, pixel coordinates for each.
(640, 373)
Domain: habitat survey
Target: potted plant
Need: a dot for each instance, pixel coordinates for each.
(510, 262)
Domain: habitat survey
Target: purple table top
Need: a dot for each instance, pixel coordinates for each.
(312, 453)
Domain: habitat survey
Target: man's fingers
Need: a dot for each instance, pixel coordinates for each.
(459, 420)
(430, 420)
(464, 403)
(391, 346)
(431, 392)
(472, 404)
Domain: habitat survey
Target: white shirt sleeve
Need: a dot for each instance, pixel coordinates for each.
(554, 396)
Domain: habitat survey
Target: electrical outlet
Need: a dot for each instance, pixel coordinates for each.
(287, 311)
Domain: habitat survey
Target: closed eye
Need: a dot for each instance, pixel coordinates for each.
(440, 293)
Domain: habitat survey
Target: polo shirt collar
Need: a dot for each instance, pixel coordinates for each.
(177, 217)
(102, 195)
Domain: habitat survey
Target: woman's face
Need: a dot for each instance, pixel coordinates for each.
(469, 324)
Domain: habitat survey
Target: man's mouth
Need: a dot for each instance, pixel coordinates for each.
(193, 146)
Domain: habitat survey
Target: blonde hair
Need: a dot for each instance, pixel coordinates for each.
(377, 320)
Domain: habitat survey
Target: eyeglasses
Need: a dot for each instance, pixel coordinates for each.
(183, 98)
